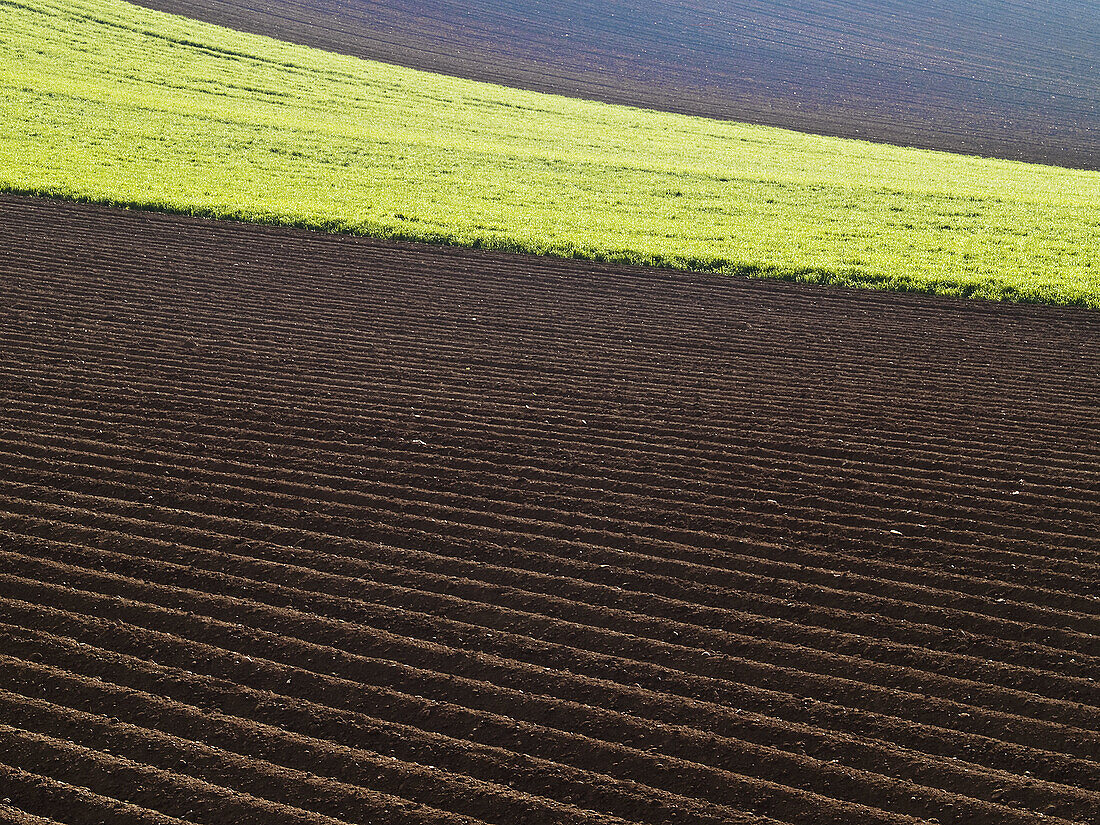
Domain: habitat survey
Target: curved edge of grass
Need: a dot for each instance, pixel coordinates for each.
(988, 290)
(233, 126)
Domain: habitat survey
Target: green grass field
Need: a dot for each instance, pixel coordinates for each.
(109, 102)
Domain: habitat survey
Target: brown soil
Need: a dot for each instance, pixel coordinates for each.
(299, 528)
(1013, 80)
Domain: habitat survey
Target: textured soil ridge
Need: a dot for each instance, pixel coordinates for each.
(299, 528)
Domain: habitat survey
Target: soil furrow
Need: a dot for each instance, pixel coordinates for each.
(254, 771)
(173, 792)
(490, 488)
(295, 525)
(162, 476)
(746, 793)
(642, 633)
(633, 439)
(769, 734)
(278, 702)
(371, 533)
(384, 653)
(313, 685)
(74, 804)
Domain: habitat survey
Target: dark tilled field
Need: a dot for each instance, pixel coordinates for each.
(1009, 79)
(310, 529)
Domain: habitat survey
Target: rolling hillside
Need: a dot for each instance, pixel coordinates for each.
(111, 102)
(1013, 79)
(303, 522)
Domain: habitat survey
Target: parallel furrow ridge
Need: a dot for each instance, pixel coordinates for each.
(298, 528)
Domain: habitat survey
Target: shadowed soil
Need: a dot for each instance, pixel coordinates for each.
(1013, 80)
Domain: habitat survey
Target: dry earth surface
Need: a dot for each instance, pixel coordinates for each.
(298, 528)
(1009, 79)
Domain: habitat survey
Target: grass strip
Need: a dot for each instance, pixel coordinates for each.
(112, 103)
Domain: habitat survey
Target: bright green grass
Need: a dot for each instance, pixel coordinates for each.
(106, 101)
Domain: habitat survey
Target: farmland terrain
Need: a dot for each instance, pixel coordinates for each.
(106, 101)
(306, 528)
(1009, 79)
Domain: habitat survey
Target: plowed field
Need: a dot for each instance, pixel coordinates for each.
(989, 77)
(299, 528)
